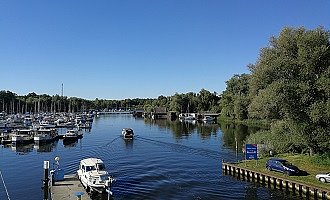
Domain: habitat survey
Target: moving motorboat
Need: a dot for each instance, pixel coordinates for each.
(94, 177)
(127, 133)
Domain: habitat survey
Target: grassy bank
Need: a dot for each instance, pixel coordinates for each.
(304, 163)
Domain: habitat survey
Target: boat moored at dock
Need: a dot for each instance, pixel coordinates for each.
(22, 136)
(94, 177)
(45, 135)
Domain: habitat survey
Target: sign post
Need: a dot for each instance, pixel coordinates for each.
(251, 152)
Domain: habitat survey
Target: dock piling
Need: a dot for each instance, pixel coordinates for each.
(46, 180)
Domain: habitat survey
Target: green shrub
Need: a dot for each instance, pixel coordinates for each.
(322, 160)
(283, 137)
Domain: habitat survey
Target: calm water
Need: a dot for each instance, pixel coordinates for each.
(166, 160)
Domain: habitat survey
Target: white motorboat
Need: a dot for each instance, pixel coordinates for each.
(187, 116)
(127, 133)
(208, 119)
(72, 134)
(46, 124)
(45, 135)
(93, 176)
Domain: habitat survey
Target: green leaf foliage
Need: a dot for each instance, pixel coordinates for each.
(290, 82)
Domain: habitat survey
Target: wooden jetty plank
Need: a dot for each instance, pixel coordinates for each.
(67, 188)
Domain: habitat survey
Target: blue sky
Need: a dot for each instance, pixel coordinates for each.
(121, 49)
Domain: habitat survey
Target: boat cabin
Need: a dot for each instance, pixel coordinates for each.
(127, 133)
(92, 164)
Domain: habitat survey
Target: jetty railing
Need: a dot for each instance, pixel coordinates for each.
(276, 182)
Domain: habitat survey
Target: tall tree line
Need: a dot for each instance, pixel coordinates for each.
(11, 103)
(33, 103)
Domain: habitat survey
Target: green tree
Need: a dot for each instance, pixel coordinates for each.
(235, 99)
(290, 81)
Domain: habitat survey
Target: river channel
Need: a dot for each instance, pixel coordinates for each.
(166, 160)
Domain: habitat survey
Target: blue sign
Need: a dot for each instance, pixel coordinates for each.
(251, 151)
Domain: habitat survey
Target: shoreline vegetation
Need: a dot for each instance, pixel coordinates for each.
(264, 124)
(287, 92)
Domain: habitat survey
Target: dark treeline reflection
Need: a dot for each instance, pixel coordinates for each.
(186, 128)
(233, 134)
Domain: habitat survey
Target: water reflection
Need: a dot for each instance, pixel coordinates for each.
(184, 129)
(22, 149)
(235, 134)
(129, 144)
(70, 143)
(45, 147)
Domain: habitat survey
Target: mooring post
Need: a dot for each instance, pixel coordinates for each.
(323, 195)
(315, 193)
(268, 182)
(46, 180)
(286, 185)
(293, 188)
(300, 189)
(239, 173)
(307, 192)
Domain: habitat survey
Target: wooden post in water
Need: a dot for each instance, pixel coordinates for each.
(46, 180)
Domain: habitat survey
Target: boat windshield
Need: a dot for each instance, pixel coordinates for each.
(100, 167)
(89, 168)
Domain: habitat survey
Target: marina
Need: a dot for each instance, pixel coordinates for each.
(23, 129)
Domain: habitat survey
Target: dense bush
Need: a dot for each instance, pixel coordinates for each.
(283, 137)
(323, 159)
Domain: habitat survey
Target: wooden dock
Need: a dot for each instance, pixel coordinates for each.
(67, 189)
(271, 181)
